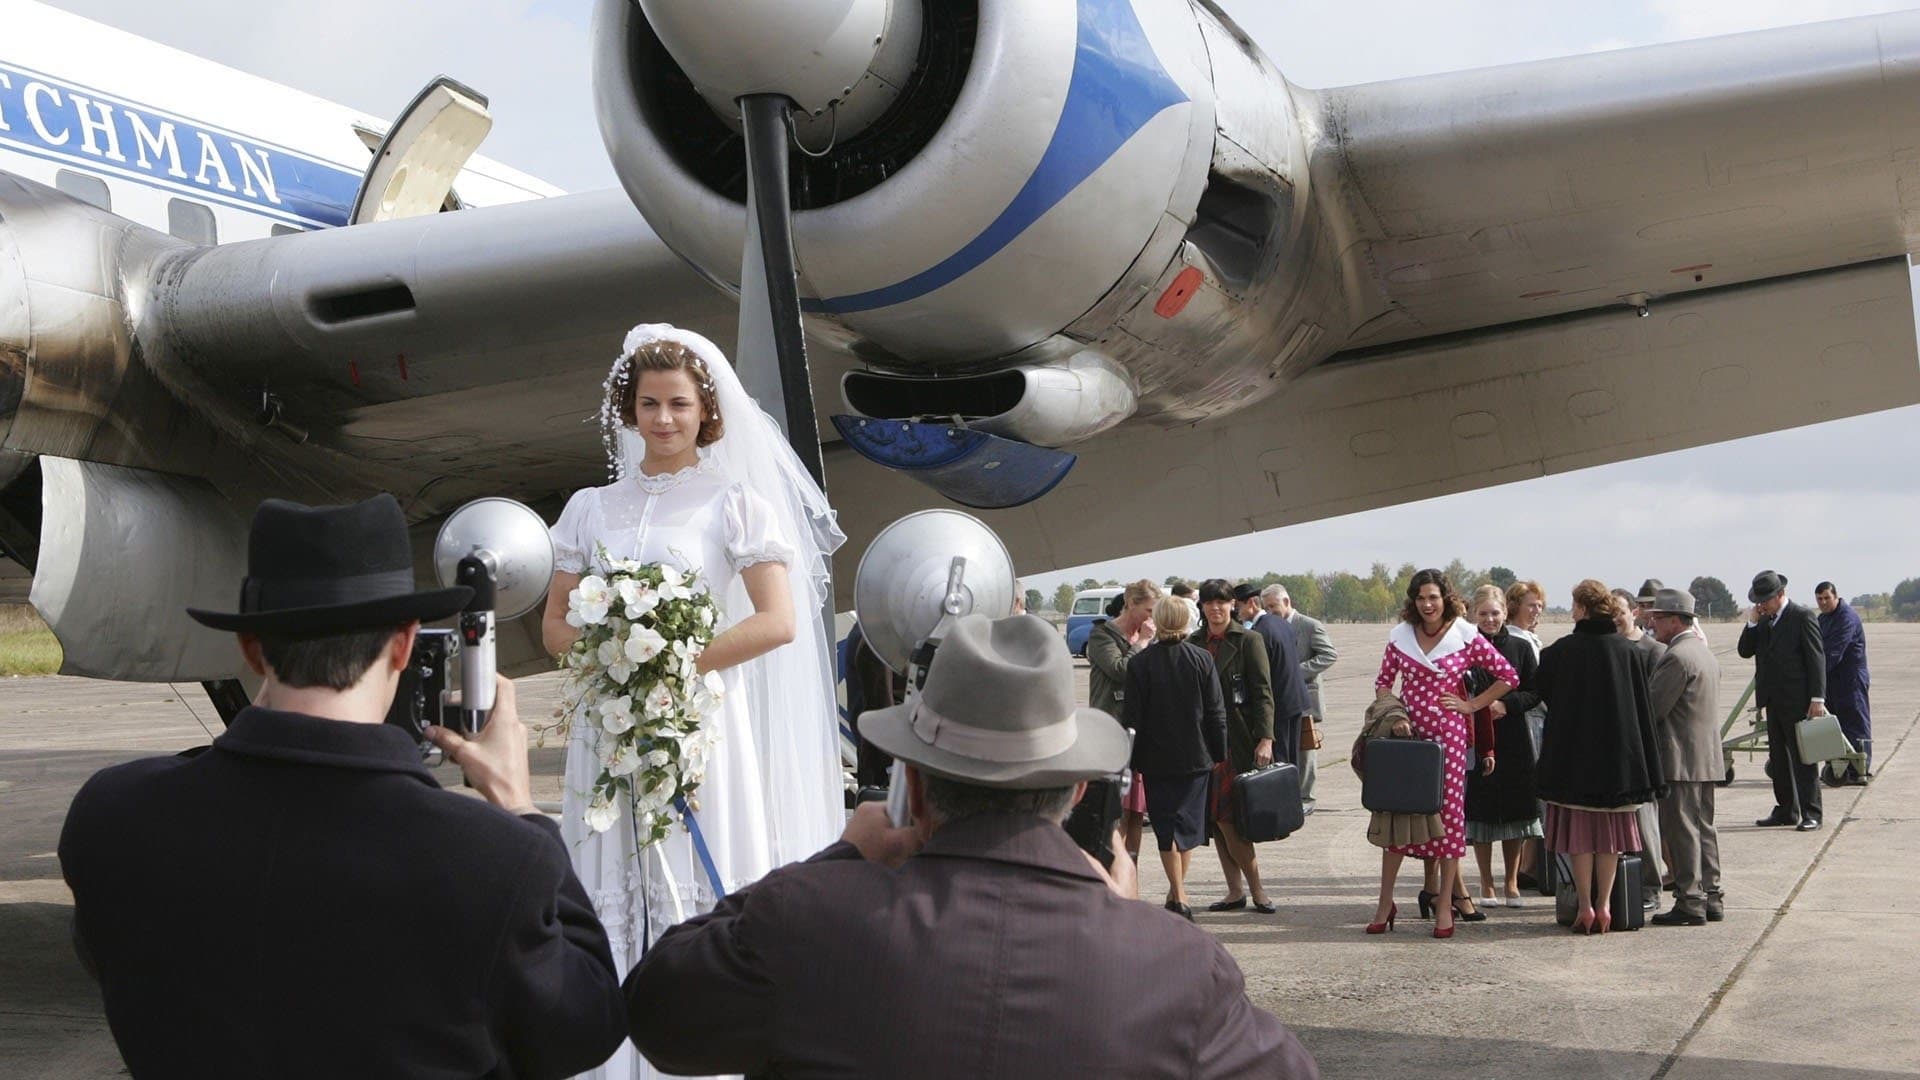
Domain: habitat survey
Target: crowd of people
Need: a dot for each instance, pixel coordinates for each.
(301, 899)
(1569, 757)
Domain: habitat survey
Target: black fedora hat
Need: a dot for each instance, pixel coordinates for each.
(1767, 584)
(316, 570)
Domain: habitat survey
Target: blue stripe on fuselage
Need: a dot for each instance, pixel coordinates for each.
(68, 122)
(1118, 85)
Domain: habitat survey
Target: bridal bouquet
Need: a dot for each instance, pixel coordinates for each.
(631, 675)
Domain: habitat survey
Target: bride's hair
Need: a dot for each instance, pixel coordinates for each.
(667, 356)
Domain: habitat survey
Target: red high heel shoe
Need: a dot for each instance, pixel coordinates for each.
(1583, 923)
(1443, 932)
(1602, 921)
(1393, 912)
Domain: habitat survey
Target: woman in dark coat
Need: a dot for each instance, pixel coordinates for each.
(1502, 806)
(1246, 687)
(1598, 757)
(1179, 723)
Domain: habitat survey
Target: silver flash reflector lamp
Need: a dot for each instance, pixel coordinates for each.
(502, 551)
(922, 572)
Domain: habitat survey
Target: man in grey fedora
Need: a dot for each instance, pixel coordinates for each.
(1686, 719)
(977, 941)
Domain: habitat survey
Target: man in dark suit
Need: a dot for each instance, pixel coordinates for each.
(1292, 705)
(1790, 673)
(302, 899)
(978, 941)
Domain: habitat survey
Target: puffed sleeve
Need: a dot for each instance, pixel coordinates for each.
(1483, 653)
(1389, 667)
(753, 535)
(572, 550)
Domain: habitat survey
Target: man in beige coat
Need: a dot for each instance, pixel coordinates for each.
(1685, 691)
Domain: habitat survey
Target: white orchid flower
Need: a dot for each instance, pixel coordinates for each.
(706, 616)
(616, 715)
(631, 592)
(601, 815)
(659, 701)
(589, 602)
(644, 643)
(626, 761)
(613, 659)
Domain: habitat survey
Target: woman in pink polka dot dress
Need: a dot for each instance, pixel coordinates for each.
(1428, 652)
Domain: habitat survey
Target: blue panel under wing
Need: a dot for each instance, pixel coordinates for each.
(972, 468)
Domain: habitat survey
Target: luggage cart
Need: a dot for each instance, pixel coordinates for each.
(1754, 739)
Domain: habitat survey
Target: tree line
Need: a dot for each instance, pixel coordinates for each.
(1377, 596)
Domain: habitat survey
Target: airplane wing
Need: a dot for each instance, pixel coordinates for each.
(1482, 198)
(1326, 300)
(1403, 423)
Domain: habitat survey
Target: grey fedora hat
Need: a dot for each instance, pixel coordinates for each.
(1649, 589)
(1672, 602)
(1767, 584)
(998, 710)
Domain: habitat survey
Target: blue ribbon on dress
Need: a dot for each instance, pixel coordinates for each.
(700, 847)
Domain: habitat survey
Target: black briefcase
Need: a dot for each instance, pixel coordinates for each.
(1266, 803)
(1404, 776)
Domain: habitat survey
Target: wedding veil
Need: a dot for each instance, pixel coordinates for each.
(790, 691)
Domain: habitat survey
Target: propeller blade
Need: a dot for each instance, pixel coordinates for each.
(769, 284)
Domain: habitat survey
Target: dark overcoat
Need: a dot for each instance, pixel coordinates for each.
(1848, 680)
(1174, 707)
(1290, 698)
(303, 899)
(1599, 750)
(1789, 662)
(996, 951)
(1246, 688)
(1508, 794)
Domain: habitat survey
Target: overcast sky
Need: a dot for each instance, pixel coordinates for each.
(1836, 501)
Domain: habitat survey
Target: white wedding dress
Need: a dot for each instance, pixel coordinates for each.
(694, 519)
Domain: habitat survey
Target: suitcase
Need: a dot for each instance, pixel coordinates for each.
(1404, 776)
(1266, 803)
(1624, 910)
(1546, 868)
(1821, 739)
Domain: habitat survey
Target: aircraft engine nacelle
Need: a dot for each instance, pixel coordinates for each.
(1001, 169)
(73, 382)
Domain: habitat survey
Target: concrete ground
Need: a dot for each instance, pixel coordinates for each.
(1807, 978)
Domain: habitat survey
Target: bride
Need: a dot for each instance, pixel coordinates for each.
(706, 482)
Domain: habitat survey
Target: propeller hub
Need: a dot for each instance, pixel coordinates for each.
(812, 51)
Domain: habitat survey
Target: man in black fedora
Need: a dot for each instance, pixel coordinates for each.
(979, 941)
(302, 899)
(1790, 675)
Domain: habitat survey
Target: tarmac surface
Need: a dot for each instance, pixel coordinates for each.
(1809, 977)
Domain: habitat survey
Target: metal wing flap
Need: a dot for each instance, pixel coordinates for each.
(1453, 414)
(1492, 196)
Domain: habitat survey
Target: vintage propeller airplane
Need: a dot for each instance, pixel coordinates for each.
(1067, 260)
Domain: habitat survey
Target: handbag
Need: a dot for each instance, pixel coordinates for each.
(1404, 776)
(1820, 739)
(1309, 734)
(1265, 803)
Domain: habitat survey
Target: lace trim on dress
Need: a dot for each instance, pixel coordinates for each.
(779, 553)
(664, 482)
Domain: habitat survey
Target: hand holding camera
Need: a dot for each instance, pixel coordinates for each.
(495, 760)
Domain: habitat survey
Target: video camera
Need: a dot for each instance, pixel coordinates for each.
(501, 550)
